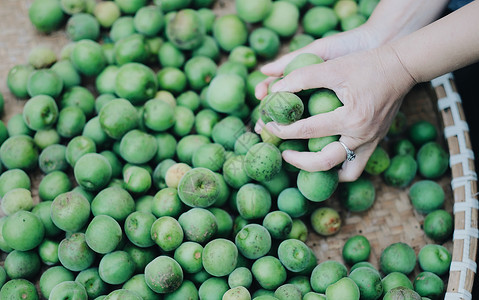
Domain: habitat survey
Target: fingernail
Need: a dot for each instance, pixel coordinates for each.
(258, 95)
(265, 68)
(286, 154)
(257, 128)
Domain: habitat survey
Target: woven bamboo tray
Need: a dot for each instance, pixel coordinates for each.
(391, 219)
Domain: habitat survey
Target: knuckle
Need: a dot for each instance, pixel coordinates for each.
(327, 164)
(306, 130)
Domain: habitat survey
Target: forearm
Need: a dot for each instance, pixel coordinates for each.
(443, 46)
(393, 19)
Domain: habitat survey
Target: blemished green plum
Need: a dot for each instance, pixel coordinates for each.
(401, 293)
(155, 273)
(167, 233)
(356, 249)
(188, 255)
(429, 285)
(74, 253)
(368, 281)
(378, 162)
(19, 289)
(185, 29)
(282, 107)
(326, 221)
(199, 187)
(263, 161)
(239, 292)
(198, 224)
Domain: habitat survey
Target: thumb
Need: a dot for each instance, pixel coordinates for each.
(276, 68)
(309, 77)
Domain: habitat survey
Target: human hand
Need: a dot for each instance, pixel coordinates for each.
(370, 84)
(328, 48)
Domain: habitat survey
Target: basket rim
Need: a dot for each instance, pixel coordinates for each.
(463, 263)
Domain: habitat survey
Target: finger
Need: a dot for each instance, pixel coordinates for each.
(325, 124)
(351, 170)
(261, 89)
(276, 68)
(258, 126)
(331, 155)
(313, 76)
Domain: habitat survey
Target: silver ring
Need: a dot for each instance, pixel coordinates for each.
(350, 155)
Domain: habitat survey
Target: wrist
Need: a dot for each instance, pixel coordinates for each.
(396, 73)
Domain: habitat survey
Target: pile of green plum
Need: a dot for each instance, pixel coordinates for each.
(153, 185)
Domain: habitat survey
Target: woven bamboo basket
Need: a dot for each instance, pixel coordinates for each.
(391, 219)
